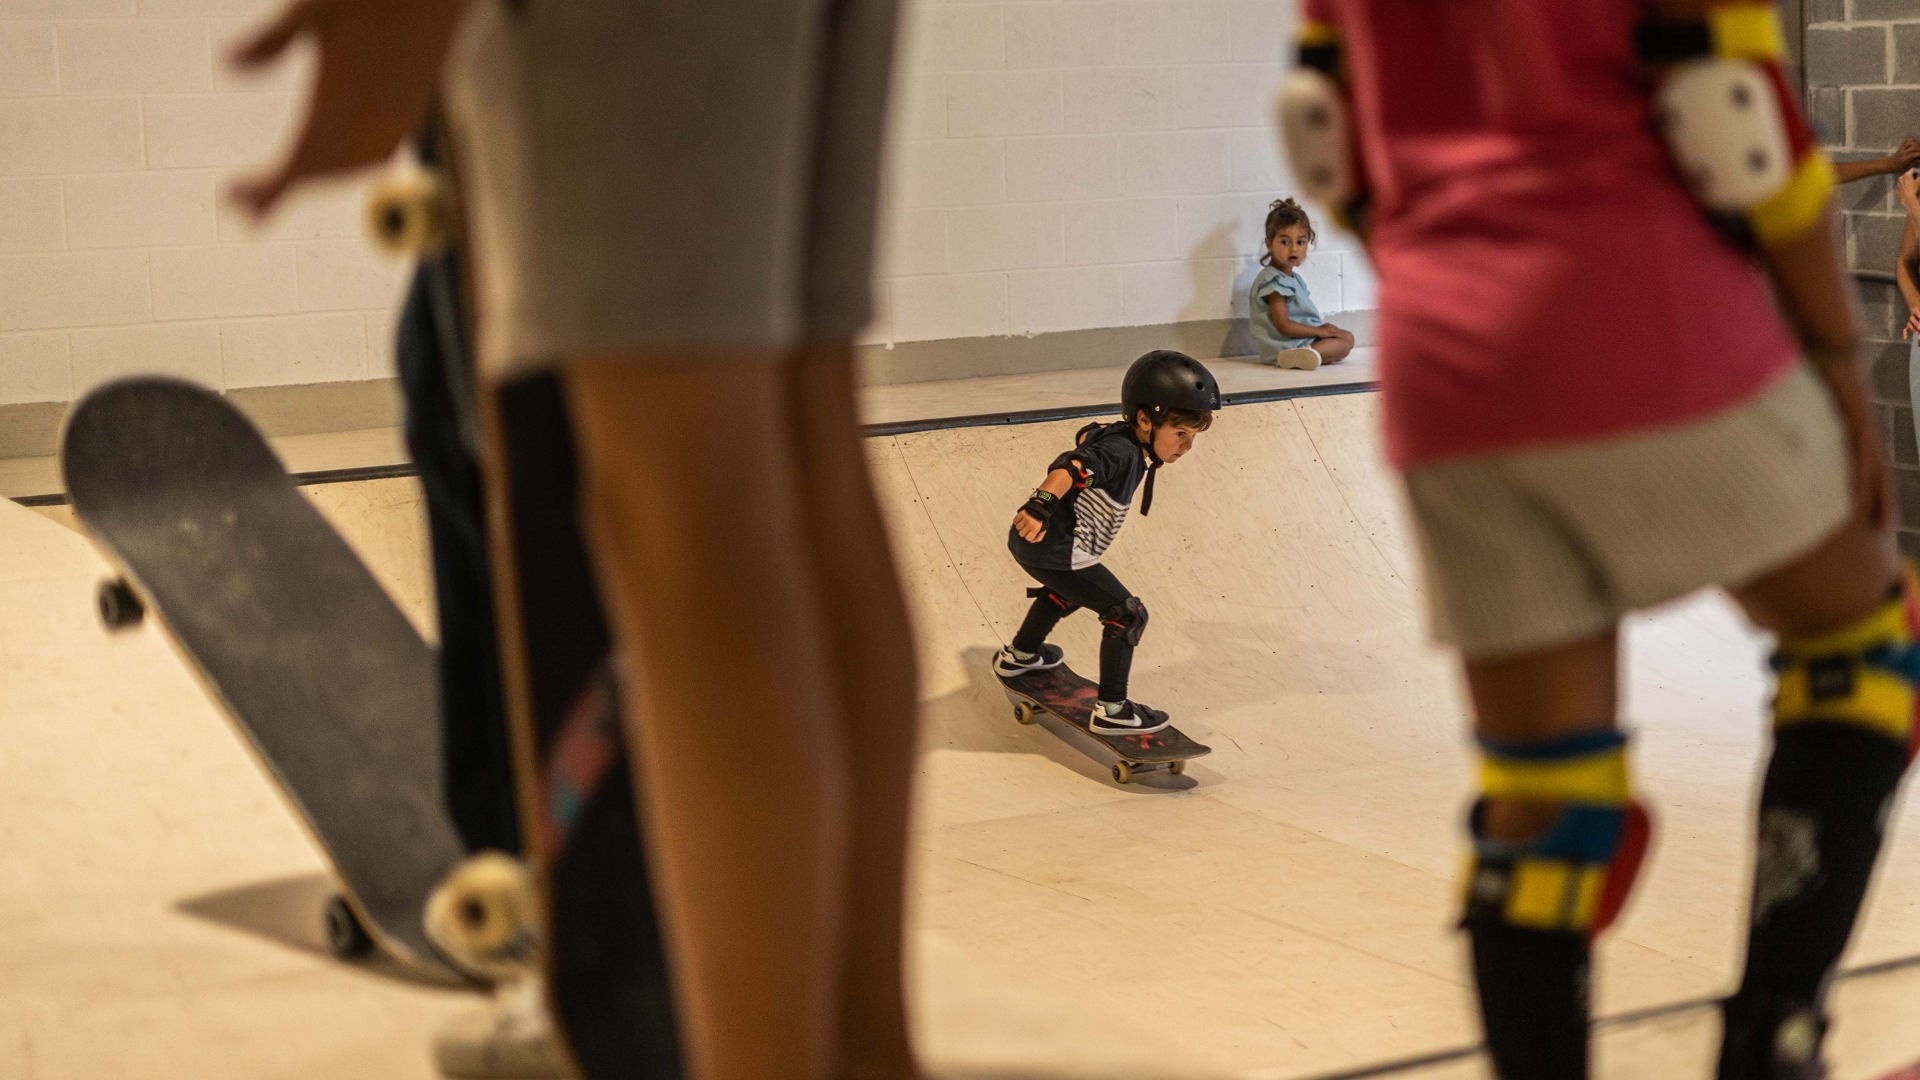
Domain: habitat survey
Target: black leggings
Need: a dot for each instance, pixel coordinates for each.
(1096, 589)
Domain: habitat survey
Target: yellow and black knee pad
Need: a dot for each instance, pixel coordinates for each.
(1863, 675)
(1575, 876)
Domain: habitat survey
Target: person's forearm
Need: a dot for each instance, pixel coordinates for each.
(1904, 275)
(1849, 171)
(1906, 266)
(1814, 290)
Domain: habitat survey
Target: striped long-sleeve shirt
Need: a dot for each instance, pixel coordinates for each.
(1108, 464)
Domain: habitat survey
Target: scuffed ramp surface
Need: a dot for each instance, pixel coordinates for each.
(1285, 910)
(130, 809)
(320, 671)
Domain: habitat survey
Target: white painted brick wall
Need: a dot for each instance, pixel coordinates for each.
(120, 130)
(28, 64)
(36, 367)
(1158, 155)
(311, 348)
(1052, 165)
(31, 218)
(139, 56)
(226, 282)
(188, 350)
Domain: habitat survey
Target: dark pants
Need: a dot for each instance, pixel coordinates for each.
(478, 777)
(1096, 589)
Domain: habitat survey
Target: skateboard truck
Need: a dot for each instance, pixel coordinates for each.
(1124, 770)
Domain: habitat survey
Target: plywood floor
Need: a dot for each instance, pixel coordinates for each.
(1280, 912)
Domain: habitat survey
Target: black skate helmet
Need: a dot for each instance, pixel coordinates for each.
(1163, 380)
(1160, 382)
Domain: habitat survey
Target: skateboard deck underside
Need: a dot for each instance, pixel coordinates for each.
(330, 683)
(1067, 695)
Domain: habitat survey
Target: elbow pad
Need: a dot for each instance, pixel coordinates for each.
(1316, 128)
(1732, 126)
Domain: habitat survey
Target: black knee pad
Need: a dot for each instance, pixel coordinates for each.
(1127, 621)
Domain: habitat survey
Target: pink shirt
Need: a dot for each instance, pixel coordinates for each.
(1543, 275)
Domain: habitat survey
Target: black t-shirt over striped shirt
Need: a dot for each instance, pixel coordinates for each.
(1108, 464)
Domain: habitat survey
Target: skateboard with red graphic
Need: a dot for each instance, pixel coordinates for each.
(1061, 693)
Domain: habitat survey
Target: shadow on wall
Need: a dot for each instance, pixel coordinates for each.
(1237, 342)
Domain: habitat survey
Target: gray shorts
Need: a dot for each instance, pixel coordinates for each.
(668, 174)
(1537, 548)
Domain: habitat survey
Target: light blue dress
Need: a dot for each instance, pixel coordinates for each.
(1300, 309)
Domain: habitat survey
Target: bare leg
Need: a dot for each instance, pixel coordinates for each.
(873, 663)
(693, 499)
(1837, 583)
(1333, 349)
(1532, 979)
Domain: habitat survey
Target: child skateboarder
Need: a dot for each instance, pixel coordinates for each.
(1067, 524)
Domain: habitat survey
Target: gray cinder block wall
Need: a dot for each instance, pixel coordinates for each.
(1861, 67)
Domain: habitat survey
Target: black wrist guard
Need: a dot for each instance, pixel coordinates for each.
(1041, 504)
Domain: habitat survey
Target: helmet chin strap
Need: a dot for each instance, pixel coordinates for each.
(1153, 469)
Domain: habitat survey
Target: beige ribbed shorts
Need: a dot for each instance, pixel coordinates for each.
(1543, 547)
(668, 174)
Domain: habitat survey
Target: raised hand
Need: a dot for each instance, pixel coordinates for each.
(379, 62)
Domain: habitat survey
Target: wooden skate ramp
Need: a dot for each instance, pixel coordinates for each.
(1285, 909)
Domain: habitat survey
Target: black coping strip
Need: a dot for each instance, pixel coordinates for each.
(1077, 412)
(1629, 1018)
(871, 431)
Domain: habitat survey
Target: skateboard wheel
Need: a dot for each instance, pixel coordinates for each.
(408, 213)
(346, 937)
(119, 607)
(1122, 772)
(1023, 712)
(483, 916)
(1177, 767)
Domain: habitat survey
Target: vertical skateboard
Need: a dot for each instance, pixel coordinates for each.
(603, 956)
(578, 907)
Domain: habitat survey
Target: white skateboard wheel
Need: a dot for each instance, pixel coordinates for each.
(484, 916)
(410, 213)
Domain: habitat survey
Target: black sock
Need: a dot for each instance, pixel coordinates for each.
(1533, 999)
